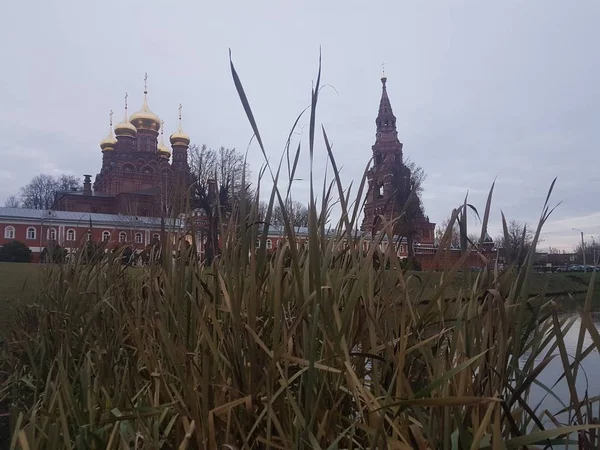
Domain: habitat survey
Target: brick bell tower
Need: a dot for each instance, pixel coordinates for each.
(388, 178)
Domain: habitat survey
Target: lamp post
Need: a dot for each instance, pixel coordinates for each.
(582, 246)
(594, 262)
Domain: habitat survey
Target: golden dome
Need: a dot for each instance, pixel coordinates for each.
(108, 143)
(180, 137)
(163, 149)
(125, 128)
(144, 119)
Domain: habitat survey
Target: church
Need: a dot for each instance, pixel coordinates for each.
(142, 180)
(140, 174)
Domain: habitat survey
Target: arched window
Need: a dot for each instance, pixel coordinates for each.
(138, 238)
(70, 234)
(31, 233)
(257, 243)
(88, 236)
(122, 236)
(156, 237)
(9, 232)
(379, 190)
(106, 235)
(269, 244)
(51, 234)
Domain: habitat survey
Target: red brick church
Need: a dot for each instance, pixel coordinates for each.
(137, 177)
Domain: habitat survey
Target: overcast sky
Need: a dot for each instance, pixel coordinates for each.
(480, 89)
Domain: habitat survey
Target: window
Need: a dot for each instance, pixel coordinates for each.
(269, 244)
(31, 233)
(70, 234)
(106, 235)
(138, 238)
(122, 236)
(9, 232)
(379, 190)
(257, 243)
(156, 237)
(88, 237)
(51, 234)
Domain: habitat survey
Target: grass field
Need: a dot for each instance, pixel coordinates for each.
(20, 282)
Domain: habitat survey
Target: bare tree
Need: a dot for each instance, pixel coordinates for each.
(225, 165)
(67, 183)
(41, 191)
(12, 202)
(516, 242)
(440, 230)
(297, 212)
(218, 185)
(409, 178)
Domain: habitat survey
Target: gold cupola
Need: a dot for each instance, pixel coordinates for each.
(108, 143)
(163, 149)
(144, 119)
(180, 137)
(125, 128)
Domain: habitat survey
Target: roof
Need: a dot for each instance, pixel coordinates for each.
(83, 193)
(72, 216)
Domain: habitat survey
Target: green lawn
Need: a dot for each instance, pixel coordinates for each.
(18, 281)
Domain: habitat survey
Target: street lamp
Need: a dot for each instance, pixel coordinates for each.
(582, 245)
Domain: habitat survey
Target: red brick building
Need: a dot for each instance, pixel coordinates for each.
(137, 176)
(39, 229)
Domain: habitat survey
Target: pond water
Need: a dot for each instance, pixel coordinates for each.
(588, 377)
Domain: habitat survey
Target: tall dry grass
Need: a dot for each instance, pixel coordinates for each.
(308, 347)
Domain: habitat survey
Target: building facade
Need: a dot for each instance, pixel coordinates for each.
(40, 229)
(140, 175)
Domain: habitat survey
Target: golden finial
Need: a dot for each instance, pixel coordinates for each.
(383, 70)
(110, 116)
(145, 82)
(162, 129)
(126, 105)
(180, 108)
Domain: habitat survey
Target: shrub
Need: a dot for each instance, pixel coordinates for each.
(15, 251)
(54, 254)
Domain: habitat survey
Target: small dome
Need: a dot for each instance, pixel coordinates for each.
(180, 137)
(108, 143)
(164, 151)
(144, 119)
(125, 128)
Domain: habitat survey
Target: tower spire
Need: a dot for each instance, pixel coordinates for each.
(125, 119)
(386, 121)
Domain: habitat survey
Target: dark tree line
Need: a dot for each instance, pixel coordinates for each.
(41, 191)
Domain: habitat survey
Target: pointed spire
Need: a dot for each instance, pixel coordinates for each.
(386, 121)
(145, 105)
